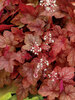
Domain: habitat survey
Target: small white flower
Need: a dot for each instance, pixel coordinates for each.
(53, 80)
(45, 69)
(49, 75)
(52, 41)
(48, 4)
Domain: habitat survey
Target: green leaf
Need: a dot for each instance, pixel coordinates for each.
(37, 97)
(5, 93)
(13, 98)
(27, 98)
(7, 96)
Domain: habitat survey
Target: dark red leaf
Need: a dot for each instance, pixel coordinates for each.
(26, 8)
(4, 27)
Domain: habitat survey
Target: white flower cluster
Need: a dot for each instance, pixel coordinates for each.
(53, 76)
(49, 5)
(40, 66)
(36, 49)
(49, 38)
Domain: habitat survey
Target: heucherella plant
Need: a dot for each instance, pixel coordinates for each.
(37, 49)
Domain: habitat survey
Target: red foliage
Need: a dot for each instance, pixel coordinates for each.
(27, 71)
(65, 73)
(7, 40)
(37, 26)
(18, 34)
(5, 27)
(68, 94)
(26, 8)
(4, 78)
(32, 42)
(7, 62)
(60, 44)
(37, 48)
(50, 89)
(67, 6)
(21, 92)
(71, 57)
